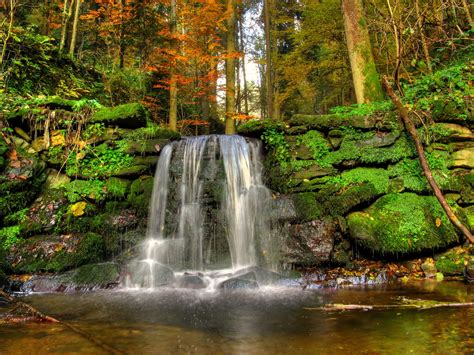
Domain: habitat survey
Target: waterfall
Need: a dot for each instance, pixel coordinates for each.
(209, 211)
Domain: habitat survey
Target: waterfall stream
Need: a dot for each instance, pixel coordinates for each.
(209, 215)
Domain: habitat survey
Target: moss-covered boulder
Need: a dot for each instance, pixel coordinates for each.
(386, 120)
(132, 115)
(452, 262)
(55, 253)
(140, 194)
(402, 224)
(117, 188)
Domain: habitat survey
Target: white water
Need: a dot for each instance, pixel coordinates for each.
(188, 230)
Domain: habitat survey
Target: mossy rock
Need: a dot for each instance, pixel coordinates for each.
(332, 201)
(385, 120)
(131, 171)
(140, 194)
(147, 146)
(451, 263)
(92, 276)
(133, 115)
(56, 253)
(255, 128)
(151, 132)
(402, 224)
(469, 213)
(117, 188)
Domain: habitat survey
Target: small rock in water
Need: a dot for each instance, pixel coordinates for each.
(262, 276)
(238, 283)
(191, 281)
(429, 268)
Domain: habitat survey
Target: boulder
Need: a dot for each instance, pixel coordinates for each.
(133, 115)
(312, 242)
(191, 281)
(144, 274)
(463, 159)
(402, 224)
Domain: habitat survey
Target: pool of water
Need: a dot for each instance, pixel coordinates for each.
(273, 320)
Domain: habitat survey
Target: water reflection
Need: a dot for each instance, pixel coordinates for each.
(266, 321)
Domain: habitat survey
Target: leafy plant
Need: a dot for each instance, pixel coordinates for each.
(276, 140)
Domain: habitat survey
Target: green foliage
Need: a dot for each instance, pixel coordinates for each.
(78, 190)
(363, 109)
(259, 126)
(15, 218)
(34, 66)
(443, 93)
(116, 187)
(318, 146)
(127, 85)
(9, 236)
(97, 162)
(94, 130)
(277, 142)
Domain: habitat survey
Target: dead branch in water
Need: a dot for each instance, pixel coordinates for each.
(406, 303)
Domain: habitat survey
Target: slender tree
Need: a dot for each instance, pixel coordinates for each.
(230, 68)
(75, 25)
(173, 110)
(364, 73)
(268, 58)
(67, 12)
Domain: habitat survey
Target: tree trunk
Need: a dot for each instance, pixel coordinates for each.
(424, 44)
(411, 129)
(244, 71)
(67, 12)
(121, 36)
(11, 17)
(72, 46)
(173, 110)
(268, 58)
(230, 68)
(364, 73)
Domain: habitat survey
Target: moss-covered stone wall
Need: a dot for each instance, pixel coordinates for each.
(75, 183)
(362, 172)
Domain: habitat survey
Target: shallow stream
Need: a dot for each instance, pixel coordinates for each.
(273, 320)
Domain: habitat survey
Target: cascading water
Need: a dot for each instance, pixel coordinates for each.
(209, 213)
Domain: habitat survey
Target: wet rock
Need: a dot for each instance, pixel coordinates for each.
(191, 281)
(312, 242)
(468, 271)
(429, 268)
(238, 283)
(463, 159)
(142, 274)
(56, 253)
(261, 275)
(452, 262)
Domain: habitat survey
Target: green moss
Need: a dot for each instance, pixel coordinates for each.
(78, 190)
(452, 262)
(402, 223)
(133, 115)
(379, 178)
(9, 236)
(256, 128)
(306, 206)
(351, 149)
(89, 250)
(140, 194)
(152, 131)
(93, 275)
(15, 218)
(117, 188)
